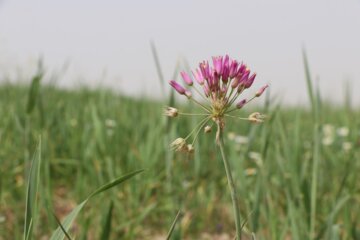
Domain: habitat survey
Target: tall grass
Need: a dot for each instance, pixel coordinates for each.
(293, 187)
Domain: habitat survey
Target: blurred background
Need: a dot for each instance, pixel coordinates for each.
(297, 174)
(108, 42)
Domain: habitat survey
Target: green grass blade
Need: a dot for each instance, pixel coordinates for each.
(315, 103)
(31, 193)
(34, 91)
(331, 220)
(173, 225)
(308, 78)
(59, 234)
(253, 236)
(66, 224)
(158, 66)
(28, 234)
(115, 182)
(62, 227)
(105, 235)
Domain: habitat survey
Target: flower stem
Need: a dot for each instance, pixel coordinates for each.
(231, 185)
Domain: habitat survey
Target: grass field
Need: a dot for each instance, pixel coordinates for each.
(297, 174)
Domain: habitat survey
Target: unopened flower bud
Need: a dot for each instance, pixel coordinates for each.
(188, 94)
(261, 90)
(207, 129)
(218, 64)
(205, 69)
(244, 77)
(241, 69)
(256, 117)
(198, 76)
(171, 112)
(240, 104)
(177, 87)
(216, 79)
(235, 82)
(233, 68)
(250, 80)
(206, 90)
(190, 148)
(226, 61)
(186, 78)
(225, 75)
(179, 144)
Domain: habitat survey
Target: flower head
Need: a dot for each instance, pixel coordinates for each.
(221, 85)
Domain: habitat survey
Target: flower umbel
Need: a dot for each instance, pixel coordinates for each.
(222, 84)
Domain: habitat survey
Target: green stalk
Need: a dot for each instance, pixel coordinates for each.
(231, 184)
(315, 105)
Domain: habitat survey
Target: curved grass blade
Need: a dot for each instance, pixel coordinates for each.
(158, 66)
(173, 225)
(34, 90)
(62, 228)
(114, 183)
(58, 233)
(31, 193)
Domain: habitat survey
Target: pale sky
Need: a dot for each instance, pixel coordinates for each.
(108, 42)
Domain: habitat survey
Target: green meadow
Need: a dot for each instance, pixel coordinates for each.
(297, 174)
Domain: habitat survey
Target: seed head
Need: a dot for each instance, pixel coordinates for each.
(171, 112)
(179, 145)
(256, 117)
(207, 129)
(190, 148)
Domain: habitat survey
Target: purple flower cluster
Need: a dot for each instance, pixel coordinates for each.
(221, 83)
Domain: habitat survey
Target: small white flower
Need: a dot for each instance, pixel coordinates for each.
(242, 140)
(250, 171)
(328, 130)
(73, 122)
(2, 218)
(231, 135)
(110, 123)
(110, 132)
(347, 146)
(327, 141)
(256, 157)
(342, 132)
(186, 184)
